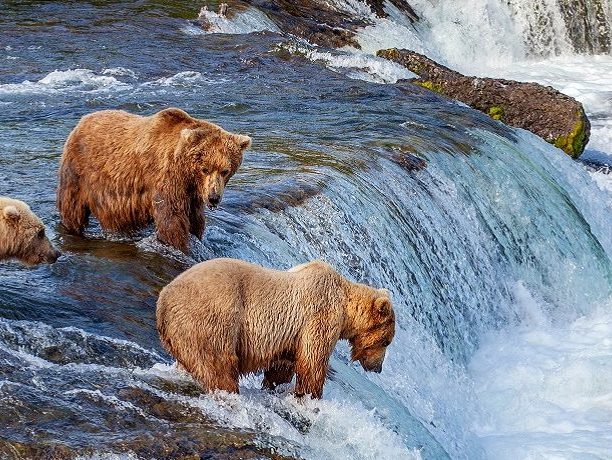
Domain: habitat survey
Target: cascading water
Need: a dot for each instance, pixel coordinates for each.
(497, 252)
(561, 27)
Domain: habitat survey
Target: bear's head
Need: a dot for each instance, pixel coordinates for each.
(214, 156)
(373, 326)
(22, 235)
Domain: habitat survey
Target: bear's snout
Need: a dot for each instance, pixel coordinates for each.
(213, 200)
(52, 256)
(372, 359)
(372, 366)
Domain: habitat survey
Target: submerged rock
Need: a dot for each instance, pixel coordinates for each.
(546, 112)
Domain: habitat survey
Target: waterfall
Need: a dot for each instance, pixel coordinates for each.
(492, 220)
(489, 33)
(553, 27)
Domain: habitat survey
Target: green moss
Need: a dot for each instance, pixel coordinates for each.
(430, 85)
(573, 143)
(391, 53)
(496, 112)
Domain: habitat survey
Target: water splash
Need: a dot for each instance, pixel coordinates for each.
(71, 80)
(244, 21)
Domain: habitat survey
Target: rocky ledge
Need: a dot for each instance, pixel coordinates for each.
(323, 23)
(555, 117)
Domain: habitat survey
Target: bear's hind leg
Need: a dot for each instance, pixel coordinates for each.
(213, 372)
(74, 212)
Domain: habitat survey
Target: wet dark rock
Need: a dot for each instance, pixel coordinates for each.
(598, 167)
(546, 112)
(408, 161)
(378, 7)
(199, 444)
(319, 22)
(43, 451)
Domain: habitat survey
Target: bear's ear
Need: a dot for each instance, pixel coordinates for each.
(174, 115)
(384, 293)
(196, 135)
(189, 135)
(11, 213)
(244, 142)
(382, 305)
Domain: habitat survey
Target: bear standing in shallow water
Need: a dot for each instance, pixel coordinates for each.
(224, 318)
(22, 235)
(129, 170)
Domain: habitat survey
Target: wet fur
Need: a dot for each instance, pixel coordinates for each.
(129, 171)
(224, 318)
(22, 234)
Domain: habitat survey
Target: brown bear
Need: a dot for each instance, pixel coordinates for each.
(224, 318)
(22, 235)
(129, 171)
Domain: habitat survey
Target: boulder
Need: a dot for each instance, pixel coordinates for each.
(546, 112)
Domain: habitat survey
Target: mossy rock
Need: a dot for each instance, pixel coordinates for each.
(430, 85)
(496, 112)
(546, 112)
(574, 143)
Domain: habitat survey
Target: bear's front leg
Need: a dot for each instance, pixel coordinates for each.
(312, 358)
(171, 221)
(196, 218)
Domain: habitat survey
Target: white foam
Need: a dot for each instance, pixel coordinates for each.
(46, 335)
(88, 81)
(360, 434)
(354, 63)
(121, 72)
(185, 79)
(65, 81)
(546, 389)
(395, 31)
(332, 428)
(355, 8)
(603, 178)
(243, 22)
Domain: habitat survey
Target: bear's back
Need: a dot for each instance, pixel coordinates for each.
(268, 308)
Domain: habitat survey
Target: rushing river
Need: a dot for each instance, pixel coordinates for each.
(497, 251)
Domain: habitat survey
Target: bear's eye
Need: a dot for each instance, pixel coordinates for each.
(41, 234)
(205, 170)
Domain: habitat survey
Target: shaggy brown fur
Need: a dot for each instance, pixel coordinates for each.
(129, 170)
(22, 234)
(224, 318)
